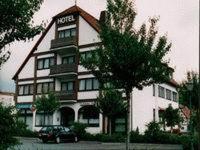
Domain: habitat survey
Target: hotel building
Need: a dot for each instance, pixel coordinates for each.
(53, 65)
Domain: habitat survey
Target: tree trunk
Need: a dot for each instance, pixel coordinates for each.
(128, 121)
(44, 119)
(171, 129)
(110, 126)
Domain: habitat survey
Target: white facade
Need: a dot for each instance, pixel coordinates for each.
(7, 99)
(75, 85)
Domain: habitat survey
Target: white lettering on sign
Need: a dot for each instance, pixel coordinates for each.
(66, 19)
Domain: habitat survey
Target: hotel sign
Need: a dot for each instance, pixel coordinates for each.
(66, 19)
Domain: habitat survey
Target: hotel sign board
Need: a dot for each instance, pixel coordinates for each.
(66, 19)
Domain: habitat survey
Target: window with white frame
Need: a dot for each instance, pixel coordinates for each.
(88, 84)
(161, 91)
(175, 96)
(168, 94)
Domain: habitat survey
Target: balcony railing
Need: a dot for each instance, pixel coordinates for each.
(63, 69)
(66, 95)
(63, 42)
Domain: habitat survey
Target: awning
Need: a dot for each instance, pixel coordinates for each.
(23, 106)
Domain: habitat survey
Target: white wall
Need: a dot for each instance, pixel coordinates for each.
(28, 70)
(87, 34)
(7, 100)
(46, 42)
(87, 95)
(24, 99)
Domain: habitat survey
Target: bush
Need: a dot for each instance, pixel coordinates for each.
(21, 130)
(79, 129)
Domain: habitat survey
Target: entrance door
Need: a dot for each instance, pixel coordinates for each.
(67, 116)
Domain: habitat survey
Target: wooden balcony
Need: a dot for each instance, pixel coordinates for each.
(63, 69)
(64, 45)
(66, 95)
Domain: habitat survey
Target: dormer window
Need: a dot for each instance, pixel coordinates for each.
(67, 33)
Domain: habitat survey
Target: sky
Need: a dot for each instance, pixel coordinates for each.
(179, 20)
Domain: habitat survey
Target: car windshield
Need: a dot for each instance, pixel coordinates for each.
(46, 129)
(66, 129)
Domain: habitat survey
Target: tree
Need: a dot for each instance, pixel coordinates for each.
(171, 117)
(16, 23)
(130, 57)
(47, 104)
(7, 127)
(191, 99)
(111, 98)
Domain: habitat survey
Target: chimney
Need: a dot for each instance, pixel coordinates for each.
(103, 16)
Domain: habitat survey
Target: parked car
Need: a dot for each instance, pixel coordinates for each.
(57, 133)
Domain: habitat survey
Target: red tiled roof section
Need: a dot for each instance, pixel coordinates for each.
(186, 111)
(89, 18)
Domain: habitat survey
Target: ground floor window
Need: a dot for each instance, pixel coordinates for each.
(120, 125)
(26, 116)
(41, 119)
(89, 115)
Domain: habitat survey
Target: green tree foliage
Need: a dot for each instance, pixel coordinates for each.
(171, 117)
(185, 94)
(16, 23)
(191, 99)
(47, 104)
(111, 98)
(130, 57)
(7, 127)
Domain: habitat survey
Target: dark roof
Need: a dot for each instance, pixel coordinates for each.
(74, 9)
(173, 83)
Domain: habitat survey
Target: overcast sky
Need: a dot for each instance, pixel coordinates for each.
(179, 19)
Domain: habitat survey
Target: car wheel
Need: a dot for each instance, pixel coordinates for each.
(44, 140)
(57, 139)
(75, 139)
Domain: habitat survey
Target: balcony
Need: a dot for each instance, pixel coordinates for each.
(64, 45)
(63, 70)
(66, 95)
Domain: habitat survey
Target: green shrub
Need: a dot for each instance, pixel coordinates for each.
(136, 137)
(79, 129)
(153, 132)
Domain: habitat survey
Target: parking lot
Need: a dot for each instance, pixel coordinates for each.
(36, 144)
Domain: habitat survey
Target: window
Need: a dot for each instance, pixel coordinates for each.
(154, 90)
(67, 33)
(45, 63)
(68, 60)
(174, 96)
(168, 94)
(39, 119)
(26, 89)
(154, 115)
(161, 91)
(88, 84)
(82, 85)
(87, 54)
(45, 87)
(68, 86)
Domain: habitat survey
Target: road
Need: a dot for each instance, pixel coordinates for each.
(36, 144)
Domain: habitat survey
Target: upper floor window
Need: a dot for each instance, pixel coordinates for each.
(68, 60)
(26, 89)
(161, 91)
(175, 95)
(88, 84)
(67, 33)
(45, 63)
(45, 87)
(168, 94)
(87, 54)
(67, 86)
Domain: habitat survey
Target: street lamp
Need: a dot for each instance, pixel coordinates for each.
(190, 88)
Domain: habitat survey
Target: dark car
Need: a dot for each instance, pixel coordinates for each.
(57, 134)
